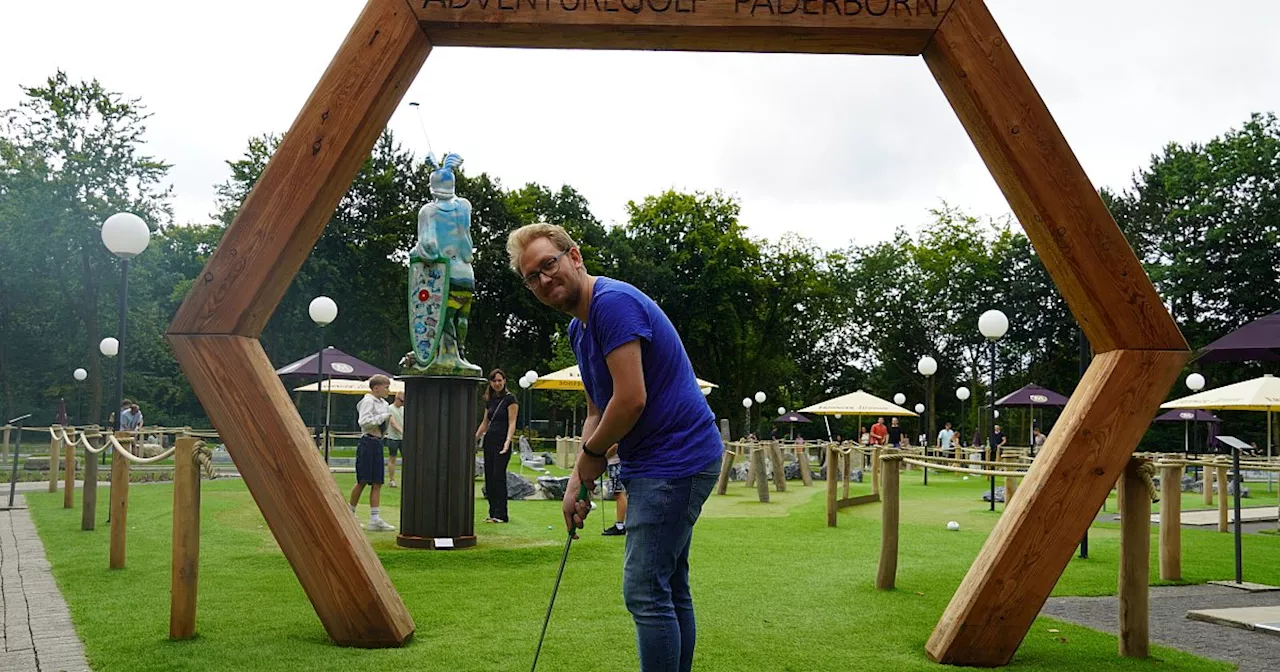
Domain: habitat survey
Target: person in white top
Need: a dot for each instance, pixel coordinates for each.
(946, 437)
(373, 412)
(395, 436)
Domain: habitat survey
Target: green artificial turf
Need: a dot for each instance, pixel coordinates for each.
(775, 589)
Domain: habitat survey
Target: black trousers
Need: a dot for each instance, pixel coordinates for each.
(495, 474)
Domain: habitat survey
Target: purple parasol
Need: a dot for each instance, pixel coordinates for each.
(337, 364)
(1257, 341)
(792, 417)
(1187, 415)
(1032, 395)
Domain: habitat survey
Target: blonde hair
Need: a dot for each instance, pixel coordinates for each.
(379, 379)
(521, 237)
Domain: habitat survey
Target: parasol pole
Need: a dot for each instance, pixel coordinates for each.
(826, 422)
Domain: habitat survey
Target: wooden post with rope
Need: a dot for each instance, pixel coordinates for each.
(832, 461)
(186, 540)
(779, 470)
(89, 499)
(1207, 482)
(802, 460)
(887, 572)
(1222, 499)
(1010, 483)
(119, 501)
(1135, 559)
(757, 469)
(1171, 522)
(55, 454)
(726, 463)
(876, 468)
(69, 480)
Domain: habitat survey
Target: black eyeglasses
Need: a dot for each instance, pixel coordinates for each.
(548, 268)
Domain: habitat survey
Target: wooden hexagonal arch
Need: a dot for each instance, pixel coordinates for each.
(1141, 351)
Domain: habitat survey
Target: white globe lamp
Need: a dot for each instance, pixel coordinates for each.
(125, 235)
(323, 310)
(109, 347)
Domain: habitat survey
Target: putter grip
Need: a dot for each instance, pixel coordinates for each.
(582, 491)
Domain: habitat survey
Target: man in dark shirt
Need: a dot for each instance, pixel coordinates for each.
(998, 439)
(895, 433)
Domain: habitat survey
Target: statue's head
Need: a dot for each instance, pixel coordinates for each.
(443, 178)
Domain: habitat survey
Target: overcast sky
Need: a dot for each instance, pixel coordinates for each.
(834, 148)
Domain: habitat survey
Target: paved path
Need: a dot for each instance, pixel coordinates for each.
(1252, 651)
(36, 633)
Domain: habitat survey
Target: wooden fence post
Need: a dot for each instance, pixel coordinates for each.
(757, 468)
(726, 462)
(1171, 523)
(876, 468)
(119, 508)
(802, 459)
(186, 540)
(1010, 483)
(887, 572)
(1135, 561)
(89, 503)
(779, 468)
(832, 461)
(69, 480)
(55, 454)
(1222, 499)
(1207, 482)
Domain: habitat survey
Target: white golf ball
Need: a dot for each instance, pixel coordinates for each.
(953, 526)
(964, 478)
(549, 527)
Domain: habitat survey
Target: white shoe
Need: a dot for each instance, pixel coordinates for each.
(392, 484)
(380, 525)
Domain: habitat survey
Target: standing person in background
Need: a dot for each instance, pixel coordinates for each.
(895, 434)
(495, 432)
(372, 412)
(619, 527)
(946, 437)
(395, 436)
(136, 412)
(879, 433)
(998, 439)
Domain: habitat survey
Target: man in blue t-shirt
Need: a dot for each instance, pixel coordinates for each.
(642, 395)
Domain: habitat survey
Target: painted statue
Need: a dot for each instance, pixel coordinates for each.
(440, 279)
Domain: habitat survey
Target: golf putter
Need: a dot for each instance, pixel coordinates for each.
(582, 494)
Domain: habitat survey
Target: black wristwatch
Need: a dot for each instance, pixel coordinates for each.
(598, 456)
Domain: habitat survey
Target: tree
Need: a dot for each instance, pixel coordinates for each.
(72, 154)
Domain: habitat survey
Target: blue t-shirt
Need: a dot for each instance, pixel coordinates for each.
(676, 435)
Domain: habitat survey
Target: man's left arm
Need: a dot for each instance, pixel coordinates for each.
(624, 409)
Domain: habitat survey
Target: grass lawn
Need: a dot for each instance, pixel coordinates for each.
(775, 588)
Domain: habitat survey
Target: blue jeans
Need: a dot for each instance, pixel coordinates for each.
(655, 574)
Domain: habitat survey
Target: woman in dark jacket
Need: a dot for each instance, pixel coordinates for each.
(496, 430)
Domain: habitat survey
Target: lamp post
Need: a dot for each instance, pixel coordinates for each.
(110, 347)
(760, 399)
(526, 383)
(80, 375)
(1195, 383)
(126, 236)
(746, 421)
(927, 366)
(323, 311)
(962, 393)
(993, 324)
